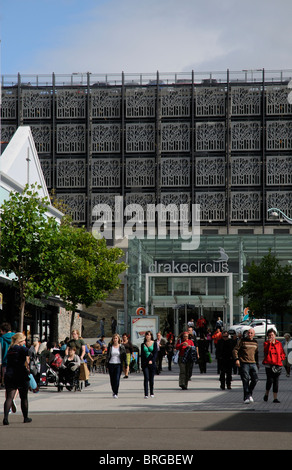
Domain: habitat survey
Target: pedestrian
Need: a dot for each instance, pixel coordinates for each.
(216, 336)
(161, 343)
(5, 341)
(225, 347)
(245, 354)
(203, 347)
(116, 357)
(101, 325)
(209, 339)
(17, 376)
(219, 324)
(287, 346)
(184, 360)
(69, 369)
(148, 362)
(130, 353)
(113, 325)
(80, 346)
(201, 325)
(169, 349)
(273, 356)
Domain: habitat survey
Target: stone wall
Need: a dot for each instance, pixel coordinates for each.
(64, 322)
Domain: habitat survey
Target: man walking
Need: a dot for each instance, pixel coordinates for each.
(245, 354)
(225, 360)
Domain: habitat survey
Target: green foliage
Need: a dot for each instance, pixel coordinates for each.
(88, 269)
(46, 258)
(269, 287)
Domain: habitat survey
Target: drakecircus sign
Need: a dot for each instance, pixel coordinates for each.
(196, 267)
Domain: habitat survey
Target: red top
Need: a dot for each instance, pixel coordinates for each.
(182, 346)
(273, 353)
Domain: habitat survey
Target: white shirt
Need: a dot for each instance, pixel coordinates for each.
(115, 355)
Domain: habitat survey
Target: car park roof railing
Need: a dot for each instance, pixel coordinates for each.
(138, 79)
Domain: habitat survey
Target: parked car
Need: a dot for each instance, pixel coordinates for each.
(260, 325)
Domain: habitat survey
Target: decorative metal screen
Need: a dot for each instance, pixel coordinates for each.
(105, 103)
(99, 199)
(46, 165)
(140, 172)
(175, 102)
(276, 100)
(210, 171)
(210, 101)
(75, 203)
(70, 103)
(245, 100)
(8, 104)
(175, 172)
(279, 170)
(106, 172)
(140, 102)
(245, 135)
(175, 137)
(245, 171)
(42, 137)
(279, 135)
(71, 173)
(105, 138)
(7, 132)
(71, 138)
(36, 104)
(173, 209)
(281, 200)
(212, 206)
(245, 206)
(140, 138)
(210, 136)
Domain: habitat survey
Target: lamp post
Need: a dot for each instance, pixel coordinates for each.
(275, 213)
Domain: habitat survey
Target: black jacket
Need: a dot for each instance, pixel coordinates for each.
(152, 357)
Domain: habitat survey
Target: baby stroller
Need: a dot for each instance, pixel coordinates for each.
(50, 371)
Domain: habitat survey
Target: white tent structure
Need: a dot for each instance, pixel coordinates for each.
(20, 165)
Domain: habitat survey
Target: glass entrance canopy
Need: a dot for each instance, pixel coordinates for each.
(164, 279)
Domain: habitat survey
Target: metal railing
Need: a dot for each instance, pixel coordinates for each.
(161, 78)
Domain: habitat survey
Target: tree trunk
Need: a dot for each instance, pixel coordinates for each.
(72, 320)
(21, 314)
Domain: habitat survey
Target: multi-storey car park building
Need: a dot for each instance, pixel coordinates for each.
(222, 140)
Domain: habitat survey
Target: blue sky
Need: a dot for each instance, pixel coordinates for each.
(139, 36)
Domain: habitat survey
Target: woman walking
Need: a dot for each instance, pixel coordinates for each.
(129, 351)
(116, 357)
(148, 360)
(273, 356)
(17, 376)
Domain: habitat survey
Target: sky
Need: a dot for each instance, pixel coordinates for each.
(144, 36)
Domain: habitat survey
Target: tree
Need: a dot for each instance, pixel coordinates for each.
(269, 287)
(88, 269)
(27, 234)
(45, 258)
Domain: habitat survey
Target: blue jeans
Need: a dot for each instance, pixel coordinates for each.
(249, 377)
(115, 371)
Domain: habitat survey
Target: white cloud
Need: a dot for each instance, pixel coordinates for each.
(170, 36)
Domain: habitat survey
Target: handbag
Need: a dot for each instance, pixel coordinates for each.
(277, 370)
(175, 357)
(32, 382)
(209, 358)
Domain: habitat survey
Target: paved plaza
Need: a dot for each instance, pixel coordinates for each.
(213, 418)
